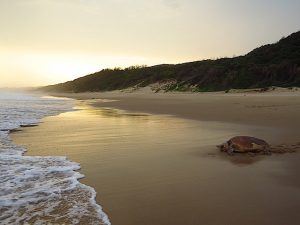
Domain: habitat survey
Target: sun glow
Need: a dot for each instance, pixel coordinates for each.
(44, 69)
(52, 41)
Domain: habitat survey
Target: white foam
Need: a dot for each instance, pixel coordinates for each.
(40, 190)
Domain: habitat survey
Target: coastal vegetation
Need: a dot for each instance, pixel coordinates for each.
(275, 64)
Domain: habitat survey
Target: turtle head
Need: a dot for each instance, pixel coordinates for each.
(223, 147)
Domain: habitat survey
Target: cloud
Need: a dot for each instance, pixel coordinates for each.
(171, 3)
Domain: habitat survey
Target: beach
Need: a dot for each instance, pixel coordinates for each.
(278, 109)
(152, 157)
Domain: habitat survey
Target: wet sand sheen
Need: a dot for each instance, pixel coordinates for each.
(163, 170)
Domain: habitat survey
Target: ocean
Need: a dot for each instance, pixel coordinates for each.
(40, 190)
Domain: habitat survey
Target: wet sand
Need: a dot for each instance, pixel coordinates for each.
(157, 169)
(275, 109)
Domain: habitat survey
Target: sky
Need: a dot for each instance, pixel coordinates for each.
(50, 41)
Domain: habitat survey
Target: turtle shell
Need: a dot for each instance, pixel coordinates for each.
(247, 144)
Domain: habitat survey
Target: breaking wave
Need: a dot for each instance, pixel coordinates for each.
(40, 190)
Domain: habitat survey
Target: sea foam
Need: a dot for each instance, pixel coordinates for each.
(40, 190)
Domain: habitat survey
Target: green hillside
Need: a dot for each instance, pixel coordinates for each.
(270, 65)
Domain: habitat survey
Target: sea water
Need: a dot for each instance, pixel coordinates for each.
(40, 190)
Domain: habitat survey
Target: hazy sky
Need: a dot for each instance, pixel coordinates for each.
(48, 41)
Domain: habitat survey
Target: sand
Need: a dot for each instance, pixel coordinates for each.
(150, 168)
(278, 109)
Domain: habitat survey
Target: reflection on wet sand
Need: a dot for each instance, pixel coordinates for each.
(106, 111)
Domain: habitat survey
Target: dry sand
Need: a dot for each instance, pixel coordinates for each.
(161, 170)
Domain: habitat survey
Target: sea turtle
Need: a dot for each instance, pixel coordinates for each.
(244, 144)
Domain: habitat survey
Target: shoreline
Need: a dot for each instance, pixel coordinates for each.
(43, 187)
(145, 168)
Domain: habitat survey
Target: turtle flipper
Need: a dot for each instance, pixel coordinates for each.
(230, 150)
(267, 151)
